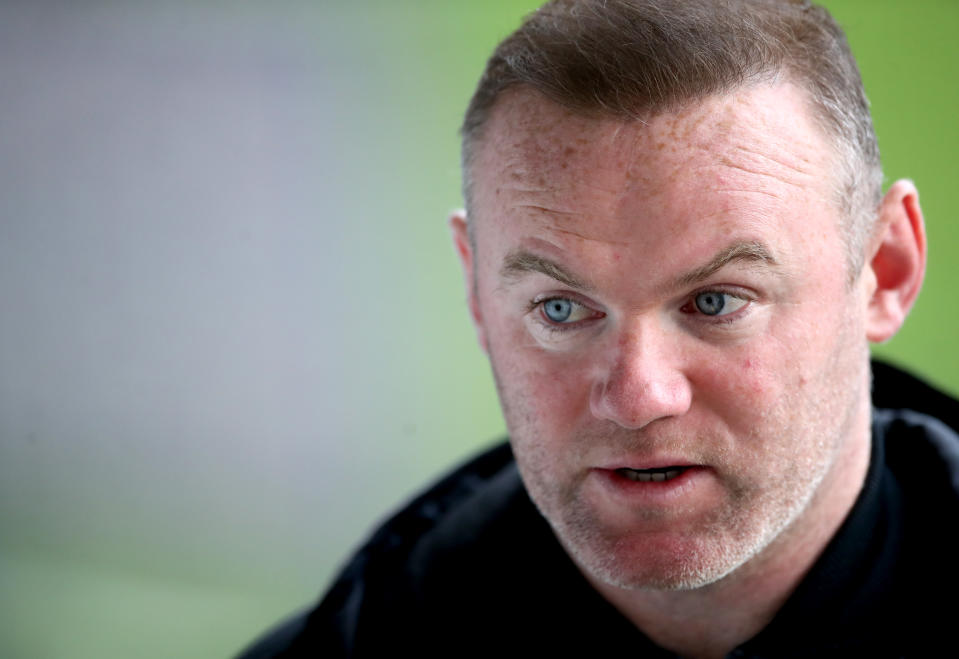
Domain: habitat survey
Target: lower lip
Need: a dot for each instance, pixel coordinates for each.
(652, 492)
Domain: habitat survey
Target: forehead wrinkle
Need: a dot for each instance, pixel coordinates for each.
(734, 144)
(541, 178)
(747, 251)
(726, 162)
(544, 209)
(782, 162)
(747, 191)
(568, 232)
(785, 162)
(566, 222)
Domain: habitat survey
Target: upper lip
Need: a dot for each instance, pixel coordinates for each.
(649, 463)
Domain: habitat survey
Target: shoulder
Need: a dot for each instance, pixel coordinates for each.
(896, 389)
(919, 426)
(418, 565)
(462, 568)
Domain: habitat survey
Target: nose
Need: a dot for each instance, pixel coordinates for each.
(643, 381)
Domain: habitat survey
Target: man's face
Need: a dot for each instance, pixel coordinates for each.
(680, 358)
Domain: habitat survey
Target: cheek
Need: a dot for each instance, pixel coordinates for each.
(747, 392)
(538, 387)
(735, 381)
(752, 384)
(557, 390)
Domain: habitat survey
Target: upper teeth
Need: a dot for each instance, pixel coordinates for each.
(650, 476)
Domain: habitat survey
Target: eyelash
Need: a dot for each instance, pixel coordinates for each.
(688, 307)
(537, 304)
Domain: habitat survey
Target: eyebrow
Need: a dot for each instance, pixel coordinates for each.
(520, 262)
(748, 251)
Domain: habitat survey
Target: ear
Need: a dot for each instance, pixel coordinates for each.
(898, 261)
(464, 249)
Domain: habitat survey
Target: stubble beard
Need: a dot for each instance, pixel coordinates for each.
(753, 517)
(730, 537)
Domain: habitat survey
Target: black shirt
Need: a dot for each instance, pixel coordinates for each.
(470, 568)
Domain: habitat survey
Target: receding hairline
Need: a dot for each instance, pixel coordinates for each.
(522, 92)
(523, 111)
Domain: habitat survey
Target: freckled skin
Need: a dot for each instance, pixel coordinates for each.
(774, 405)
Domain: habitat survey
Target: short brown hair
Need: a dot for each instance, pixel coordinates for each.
(636, 58)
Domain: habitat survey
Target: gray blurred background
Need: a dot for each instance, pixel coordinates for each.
(232, 330)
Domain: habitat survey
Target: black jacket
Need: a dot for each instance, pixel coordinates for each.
(470, 568)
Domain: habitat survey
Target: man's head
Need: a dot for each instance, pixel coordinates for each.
(678, 334)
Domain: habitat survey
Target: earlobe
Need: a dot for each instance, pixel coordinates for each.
(898, 261)
(464, 249)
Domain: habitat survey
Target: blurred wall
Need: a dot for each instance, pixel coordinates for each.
(232, 331)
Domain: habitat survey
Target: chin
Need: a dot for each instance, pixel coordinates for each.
(662, 563)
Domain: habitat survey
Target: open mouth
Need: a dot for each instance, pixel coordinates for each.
(658, 475)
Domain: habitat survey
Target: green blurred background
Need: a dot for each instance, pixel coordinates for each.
(232, 329)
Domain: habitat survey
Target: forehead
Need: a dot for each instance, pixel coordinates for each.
(750, 154)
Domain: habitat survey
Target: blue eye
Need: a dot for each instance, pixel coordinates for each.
(717, 303)
(562, 314)
(558, 309)
(710, 302)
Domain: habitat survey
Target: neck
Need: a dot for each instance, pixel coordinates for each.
(711, 621)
